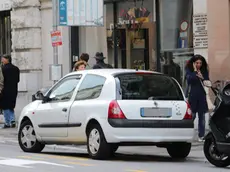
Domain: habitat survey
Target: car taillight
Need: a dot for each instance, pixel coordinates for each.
(188, 114)
(115, 111)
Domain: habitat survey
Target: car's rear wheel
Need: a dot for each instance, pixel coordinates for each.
(179, 150)
(97, 146)
(27, 138)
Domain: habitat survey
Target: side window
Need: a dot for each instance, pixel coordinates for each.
(64, 91)
(91, 87)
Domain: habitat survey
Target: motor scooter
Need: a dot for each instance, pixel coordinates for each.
(217, 142)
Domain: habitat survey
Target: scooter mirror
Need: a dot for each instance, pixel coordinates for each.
(207, 83)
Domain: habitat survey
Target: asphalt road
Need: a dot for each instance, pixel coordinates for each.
(128, 159)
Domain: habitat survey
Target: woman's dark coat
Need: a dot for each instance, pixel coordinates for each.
(197, 94)
(11, 75)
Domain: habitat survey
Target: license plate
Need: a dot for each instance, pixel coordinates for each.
(156, 112)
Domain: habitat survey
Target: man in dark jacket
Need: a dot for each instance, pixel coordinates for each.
(100, 64)
(11, 75)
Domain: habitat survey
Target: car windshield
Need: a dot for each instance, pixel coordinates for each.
(148, 86)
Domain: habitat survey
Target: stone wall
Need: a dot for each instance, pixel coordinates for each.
(27, 42)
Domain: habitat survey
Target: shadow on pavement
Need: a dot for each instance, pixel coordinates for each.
(126, 157)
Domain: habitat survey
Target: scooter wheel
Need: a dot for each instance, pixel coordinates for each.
(213, 156)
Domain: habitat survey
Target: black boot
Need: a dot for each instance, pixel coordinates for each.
(6, 126)
(13, 124)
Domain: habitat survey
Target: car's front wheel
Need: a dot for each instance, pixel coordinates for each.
(179, 150)
(97, 146)
(27, 138)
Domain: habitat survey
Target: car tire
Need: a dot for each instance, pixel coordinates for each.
(179, 150)
(27, 138)
(97, 146)
(208, 145)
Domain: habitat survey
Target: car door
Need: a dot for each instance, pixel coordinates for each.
(52, 116)
(85, 103)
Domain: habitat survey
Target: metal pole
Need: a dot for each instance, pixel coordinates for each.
(158, 42)
(115, 34)
(55, 28)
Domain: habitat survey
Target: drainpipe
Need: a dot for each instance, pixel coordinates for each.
(115, 34)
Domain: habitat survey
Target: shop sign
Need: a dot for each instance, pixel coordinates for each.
(200, 31)
(56, 38)
(81, 12)
(5, 5)
(134, 15)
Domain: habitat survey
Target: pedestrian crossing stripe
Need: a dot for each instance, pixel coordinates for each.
(28, 163)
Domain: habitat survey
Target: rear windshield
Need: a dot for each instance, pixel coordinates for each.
(144, 86)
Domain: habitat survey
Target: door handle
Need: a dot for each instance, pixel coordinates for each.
(64, 109)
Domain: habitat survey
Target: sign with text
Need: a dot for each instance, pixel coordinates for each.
(62, 12)
(81, 12)
(200, 31)
(56, 38)
(5, 5)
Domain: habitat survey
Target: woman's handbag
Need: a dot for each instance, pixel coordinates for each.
(206, 84)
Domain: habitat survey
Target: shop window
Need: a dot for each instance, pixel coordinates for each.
(5, 32)
(134, 33)
(176, 36)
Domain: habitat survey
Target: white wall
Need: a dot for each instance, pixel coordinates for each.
(93, 39)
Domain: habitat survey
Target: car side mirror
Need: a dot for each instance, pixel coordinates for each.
(37, 96)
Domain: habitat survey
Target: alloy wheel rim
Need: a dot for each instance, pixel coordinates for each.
(215, 154)
(28, 137)
(94, 141)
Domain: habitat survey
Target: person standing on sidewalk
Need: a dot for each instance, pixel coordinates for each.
(1, 83)
(197, 72)
(84, 57)
(100, 64)
(11, 76)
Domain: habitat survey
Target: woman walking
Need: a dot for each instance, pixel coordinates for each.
(196, 73)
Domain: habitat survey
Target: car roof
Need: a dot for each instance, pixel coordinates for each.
(109, 72)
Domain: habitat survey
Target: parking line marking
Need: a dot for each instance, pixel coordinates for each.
(62, 157)
(78, 163)
(30, 157)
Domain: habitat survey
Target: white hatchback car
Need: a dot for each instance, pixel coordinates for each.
(108, 108)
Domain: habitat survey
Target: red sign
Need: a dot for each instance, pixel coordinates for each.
(56, 38)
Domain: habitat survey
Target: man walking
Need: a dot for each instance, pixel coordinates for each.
(11, 76)
(100, 64)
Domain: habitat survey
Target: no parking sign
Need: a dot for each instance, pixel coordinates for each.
(56, 38)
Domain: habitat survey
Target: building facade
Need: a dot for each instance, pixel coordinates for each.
(168, 31)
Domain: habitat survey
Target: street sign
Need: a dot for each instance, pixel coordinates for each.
(62, 12)
(81, 12)
(56, 38)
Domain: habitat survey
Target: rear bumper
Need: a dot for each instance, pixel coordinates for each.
(127, 123)
(124, 132)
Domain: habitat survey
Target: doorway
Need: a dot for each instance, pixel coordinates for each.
(5, 32)
(133, 48)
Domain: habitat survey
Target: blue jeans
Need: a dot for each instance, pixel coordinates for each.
(9, 116)
(201, 123)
